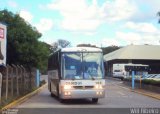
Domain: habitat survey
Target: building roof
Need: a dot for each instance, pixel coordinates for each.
(141, 52)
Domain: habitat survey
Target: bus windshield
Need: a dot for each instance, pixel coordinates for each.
(77, 65)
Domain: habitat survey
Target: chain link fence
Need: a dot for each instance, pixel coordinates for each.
(16, 82)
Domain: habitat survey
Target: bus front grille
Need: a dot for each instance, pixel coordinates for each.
(83, 87)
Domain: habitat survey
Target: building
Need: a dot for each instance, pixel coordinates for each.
(136, 54)
(3, 44)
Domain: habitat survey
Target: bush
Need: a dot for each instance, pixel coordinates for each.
(42, 82)
(151, 82)
(146, 81)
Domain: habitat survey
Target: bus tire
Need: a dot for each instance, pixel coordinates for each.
(50, 87)
(58, 95)
(122, 79)
(95, 100)
(52, 95)
(61, 100)
(57, 89)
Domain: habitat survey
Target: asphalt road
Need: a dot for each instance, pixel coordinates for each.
(118, 98)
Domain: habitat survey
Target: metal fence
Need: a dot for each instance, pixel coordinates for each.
(16, 82)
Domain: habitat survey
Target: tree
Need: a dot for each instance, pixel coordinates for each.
(23, 46)
(86, 45)
(109, 49)
(158, 16)
(61, 43)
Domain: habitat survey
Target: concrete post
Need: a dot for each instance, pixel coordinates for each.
(0, 86)
(7, 69)
(37, 78)
(23, 78)
(133, 78)
(12, 79)
(17, 78)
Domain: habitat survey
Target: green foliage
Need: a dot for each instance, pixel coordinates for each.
(145, 81)
(109, 49)
(60, 43)
(158, 14)
(42, 82)
(86, 45)
(23, 46)
(151, 82)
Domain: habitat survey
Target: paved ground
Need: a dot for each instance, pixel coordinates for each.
(117, 97)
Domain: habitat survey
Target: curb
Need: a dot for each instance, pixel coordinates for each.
(149, 95)
(143, 93)
(23, 99)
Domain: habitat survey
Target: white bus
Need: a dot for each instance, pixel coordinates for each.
(75, 73)
(124, 70)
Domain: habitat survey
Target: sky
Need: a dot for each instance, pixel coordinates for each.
(97, 22)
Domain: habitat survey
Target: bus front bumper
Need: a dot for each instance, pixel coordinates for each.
(78, 94)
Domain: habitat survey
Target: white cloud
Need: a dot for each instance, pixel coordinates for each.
(139, 33)
(12, 4)
(141, 27)
(118, 10)
(129, 37)
(80, 25)
(26, 15)
(110, 42)
(79, 16)
(138, 38)
(44, 25)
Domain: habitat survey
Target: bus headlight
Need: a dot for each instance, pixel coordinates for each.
(98, 87)
(67, 87)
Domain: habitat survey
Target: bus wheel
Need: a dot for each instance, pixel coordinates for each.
(58, 96)
(61, 100)
(50, 87)
(94, 100)
(52, 95)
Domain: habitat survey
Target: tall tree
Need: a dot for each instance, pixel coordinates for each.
(60, 43)
(63, 43)
(109, 49)
(23, 45)
(86, 45)
(158, 16)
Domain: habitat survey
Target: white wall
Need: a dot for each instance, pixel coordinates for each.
(3, 41)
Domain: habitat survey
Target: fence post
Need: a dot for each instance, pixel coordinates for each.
(0, 86)
(12, 77)
(133, 80)
(7, 67)
(23, 76)
(16, 79)
(20, 76)
(37, 78)
(21, 73)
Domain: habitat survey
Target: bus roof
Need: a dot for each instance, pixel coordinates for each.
(130, 64)
(81, 49)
